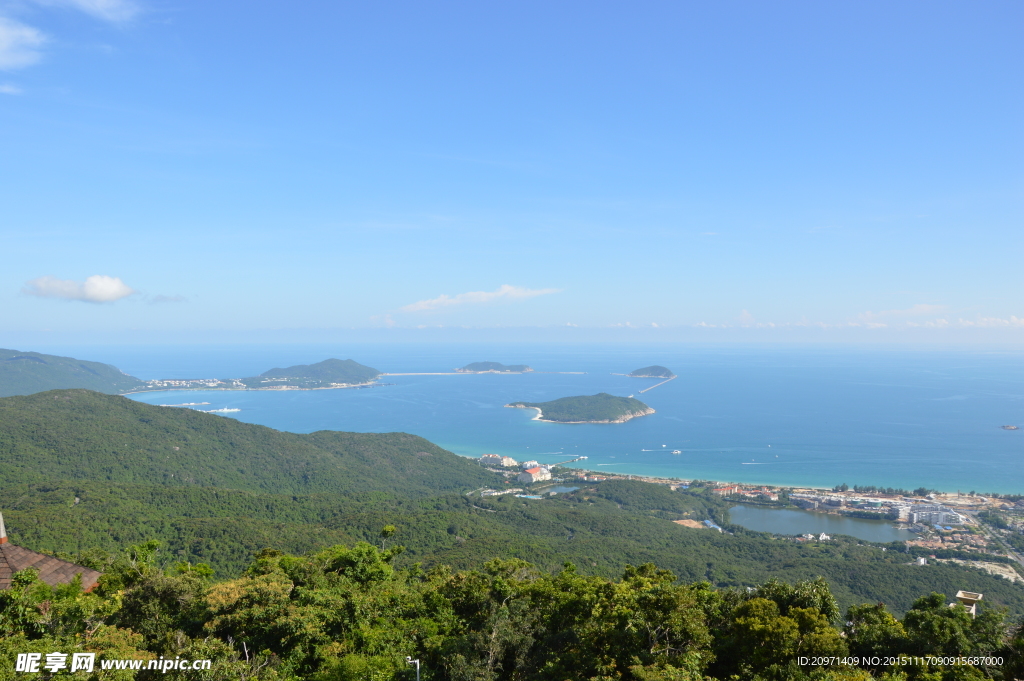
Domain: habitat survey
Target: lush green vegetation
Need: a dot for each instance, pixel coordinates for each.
(320, 375)
(919, 492)
(347, 613)
(476, 367)
(654, 371)
(600, 408)
(82, 472)
(83, 435)
(600, 528)
(24, 373)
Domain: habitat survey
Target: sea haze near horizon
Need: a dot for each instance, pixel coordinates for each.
(774, 415)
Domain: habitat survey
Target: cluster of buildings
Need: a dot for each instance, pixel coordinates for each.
(532, 471)
(499, 492)
(900, 508)
(498, 460)
(763, 493)
(194, 383)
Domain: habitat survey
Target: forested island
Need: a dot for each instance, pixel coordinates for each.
(24, 373)
(600, 408)
(654, 371)
(330, 373)
(493, 368)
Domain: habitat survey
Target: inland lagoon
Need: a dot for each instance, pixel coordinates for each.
(786, 521)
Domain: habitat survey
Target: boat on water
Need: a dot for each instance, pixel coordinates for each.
(225, 410)
(677, 451)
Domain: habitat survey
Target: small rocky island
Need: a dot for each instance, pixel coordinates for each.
(654, 371)
(494, 368)
(600, 408)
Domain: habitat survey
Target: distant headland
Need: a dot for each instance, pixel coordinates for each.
(600, 408)
(24, 373)
(493, 368)
(328, 374)
(654, 371)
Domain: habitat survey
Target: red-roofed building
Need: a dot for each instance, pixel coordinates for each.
(52, 570)
(534, 475)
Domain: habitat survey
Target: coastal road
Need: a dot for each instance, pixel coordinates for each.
(991, 534)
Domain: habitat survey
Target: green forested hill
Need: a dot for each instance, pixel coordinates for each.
(600, 529)
(320, 375)
(24, 373)
(83, 435)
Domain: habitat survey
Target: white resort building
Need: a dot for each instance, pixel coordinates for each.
(534, 475)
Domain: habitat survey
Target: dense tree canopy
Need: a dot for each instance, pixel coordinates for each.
(347, 613)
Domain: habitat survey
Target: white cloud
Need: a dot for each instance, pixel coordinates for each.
(918, 310)
(931, 324)
(19, 44)
(993, 322)
(505, 292)
(116, 11)
(95, 289)
(8, 89)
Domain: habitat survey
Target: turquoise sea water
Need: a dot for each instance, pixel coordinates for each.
(789, 416)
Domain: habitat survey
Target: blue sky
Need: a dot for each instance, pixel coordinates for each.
(709, 171)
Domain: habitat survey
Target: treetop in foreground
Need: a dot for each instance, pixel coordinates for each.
(346, 612)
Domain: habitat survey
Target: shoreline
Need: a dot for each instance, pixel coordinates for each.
(540, 414)
(941, 497)
(283, 388)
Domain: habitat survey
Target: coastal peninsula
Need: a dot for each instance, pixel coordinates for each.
(494, 368)
(24, 373)
(600, 408)
(654, 371)
(330, 373)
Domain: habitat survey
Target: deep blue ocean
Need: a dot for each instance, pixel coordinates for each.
(776, 415)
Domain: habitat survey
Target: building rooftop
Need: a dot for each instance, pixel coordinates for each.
(52, 570)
